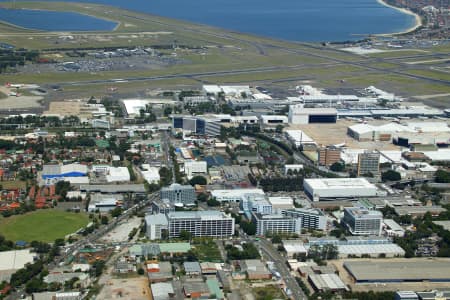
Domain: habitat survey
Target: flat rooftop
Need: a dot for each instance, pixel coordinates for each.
(331, 183)
(399, 270)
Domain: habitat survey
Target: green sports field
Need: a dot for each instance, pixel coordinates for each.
(42, 225)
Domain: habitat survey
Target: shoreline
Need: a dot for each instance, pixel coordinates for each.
(418, 19)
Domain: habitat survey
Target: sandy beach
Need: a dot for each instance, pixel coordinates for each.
(406, 11)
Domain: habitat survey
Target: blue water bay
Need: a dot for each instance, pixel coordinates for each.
(296, 20)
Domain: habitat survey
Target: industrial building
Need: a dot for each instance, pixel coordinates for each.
(104, 202)
(300, 139)
(399, 270)
(255, 269)
(179, 194)
(369, 163)
(344, 188)
(234, 195)
(193, 168)
(312, 218)
(13, 260)
(114, 189)
(294, 247)
(119, 174)
(326, 282)
(370, 250)
(359, 246)
(200, 223)
(298, 114)
(392, 228)
(361, 221)
(276, 223)
(151, 175)
(60, 171)
(162, 291)
(273, 119)
(423, 131)
(281, 203)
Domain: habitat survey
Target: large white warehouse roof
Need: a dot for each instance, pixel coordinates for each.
(339, 188)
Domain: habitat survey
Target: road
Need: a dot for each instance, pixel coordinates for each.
(280, 262)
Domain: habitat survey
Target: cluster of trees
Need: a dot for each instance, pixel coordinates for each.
(249, 252)
(442, 176)
(247, 226)
(200, 180)
(166, 176)
(176, 167)
(277, 184)
(390, 175)
(370, 295)
(10, 58)
(61, 188)
(42, 121)
(337, 167)
(321, 253)
(426, 228)
(24, 208)
(286, 148)
(5, 244)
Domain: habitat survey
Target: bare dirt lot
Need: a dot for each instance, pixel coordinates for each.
(120, 233)
(126, 288)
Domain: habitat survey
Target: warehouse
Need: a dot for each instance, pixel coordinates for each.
(151, 175)
(119, 174)
(332, 188)
(279, 203)
(326, 282)
(399, 270)
(372, 250)
(234, 195)
(59, 171)
(273, 119)
(366, 132)
(299, 138)
(193, 168)
(298, 114)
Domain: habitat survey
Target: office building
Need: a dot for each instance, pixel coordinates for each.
(202, 125)
(368, 163)
(361, 221)
(311, 218)
(200, 223)
(276, 223)
(155, 226)
(162, 207)
(180, 194)
(329, 156)
(319, 189)
(255, 203)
